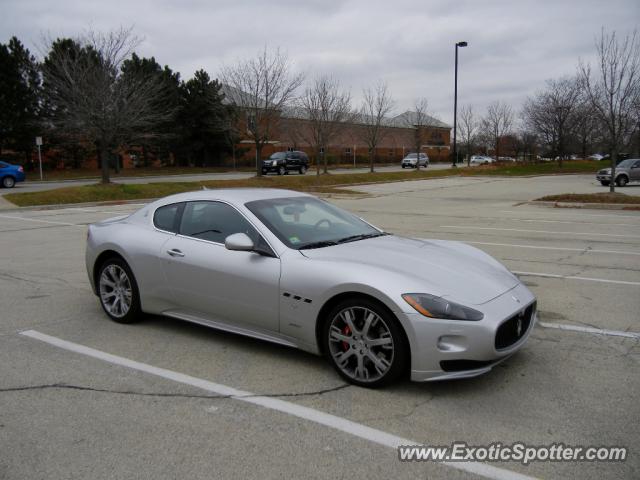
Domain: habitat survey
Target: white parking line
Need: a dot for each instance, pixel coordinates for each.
(40, 221)
(306, 413)
(573, 277)
(597, 331)
(585, 250)
(539, 231)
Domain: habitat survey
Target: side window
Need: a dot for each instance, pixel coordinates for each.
(166, 218)
(214, 221)
(637, 164)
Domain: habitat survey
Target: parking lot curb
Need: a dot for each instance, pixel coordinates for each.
(597, 206)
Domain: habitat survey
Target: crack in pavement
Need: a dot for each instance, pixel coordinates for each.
(169, 395)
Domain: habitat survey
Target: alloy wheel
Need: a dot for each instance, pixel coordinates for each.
(361, 344)
(116, 293)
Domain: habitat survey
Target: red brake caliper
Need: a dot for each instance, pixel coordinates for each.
(346, 330)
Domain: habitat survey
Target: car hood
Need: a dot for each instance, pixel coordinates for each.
(443, 268)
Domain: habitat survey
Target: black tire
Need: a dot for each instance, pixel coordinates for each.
(622, 180)
(134, 312)
(403, 167)
(385, 321)
(281, 171)
(604, 183)
(8, 182)
(303, 169)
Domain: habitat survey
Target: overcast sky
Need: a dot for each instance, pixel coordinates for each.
(513, 45)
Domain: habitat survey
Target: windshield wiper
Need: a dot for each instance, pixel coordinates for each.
(323, 243)
(361, 236)
(211, 230)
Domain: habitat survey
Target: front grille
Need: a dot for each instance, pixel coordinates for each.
(514, 328)
(463, 365)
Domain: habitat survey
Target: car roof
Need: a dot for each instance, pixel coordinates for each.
(233, 195)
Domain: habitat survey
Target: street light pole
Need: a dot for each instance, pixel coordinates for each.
(455, 107)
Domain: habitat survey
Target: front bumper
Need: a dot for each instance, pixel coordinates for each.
(464, 348)
(603, 177)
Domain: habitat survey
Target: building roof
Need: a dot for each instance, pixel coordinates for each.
(407, 119)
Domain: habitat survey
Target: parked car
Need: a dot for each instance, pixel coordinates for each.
(480, 160)
(284, 162)
(411, 160)
(507, 159)
(10, 174)
(626, 171)
(595, 156)
(289, 268)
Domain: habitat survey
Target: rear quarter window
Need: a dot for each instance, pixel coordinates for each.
(166, 218)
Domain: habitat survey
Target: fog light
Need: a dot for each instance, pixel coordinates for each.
(452, 343)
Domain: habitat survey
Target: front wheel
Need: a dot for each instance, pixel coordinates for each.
(365, 343)
(303, 170)
(118, 291)
(604, 183)
(281, 170)
(622, 180)
(8, 182)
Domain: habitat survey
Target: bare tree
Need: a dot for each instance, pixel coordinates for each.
(551, 114)
(587, 128)
(376, 105)
(613, 89)
(325, 106)
(528, 143)
(419, 120)
(497, 123)
(88, 95)
(468, 127)
(261, 87)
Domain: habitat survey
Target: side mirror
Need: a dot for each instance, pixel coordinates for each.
(239, 242)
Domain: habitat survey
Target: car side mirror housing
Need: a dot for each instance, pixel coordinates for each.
(239, 242)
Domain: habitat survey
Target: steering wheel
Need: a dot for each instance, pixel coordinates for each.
(320, 222)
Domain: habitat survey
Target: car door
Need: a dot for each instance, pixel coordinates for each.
(293, 161)
(206, 279)
(634, 172)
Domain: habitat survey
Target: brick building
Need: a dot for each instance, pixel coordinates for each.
(397, 138)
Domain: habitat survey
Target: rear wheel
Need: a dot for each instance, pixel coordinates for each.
(365, 343)
(8, 182)
(118, 291)
(622, 180)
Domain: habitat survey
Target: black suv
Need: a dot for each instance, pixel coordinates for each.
(284, 162)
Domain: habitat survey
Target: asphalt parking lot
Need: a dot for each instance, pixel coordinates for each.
(109, 412)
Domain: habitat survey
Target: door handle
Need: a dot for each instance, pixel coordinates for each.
(175, 253)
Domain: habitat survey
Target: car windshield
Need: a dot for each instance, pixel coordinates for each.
(627, 163)
(307, 222)
(278, 156)
(412, 155)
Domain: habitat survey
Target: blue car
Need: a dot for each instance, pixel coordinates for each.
(10, 174)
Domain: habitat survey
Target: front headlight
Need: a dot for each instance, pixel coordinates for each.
(274, 163)
(437, 307)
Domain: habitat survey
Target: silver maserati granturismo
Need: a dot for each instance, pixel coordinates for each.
(290, 268)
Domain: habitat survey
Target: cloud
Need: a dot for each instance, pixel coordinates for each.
(513, 46)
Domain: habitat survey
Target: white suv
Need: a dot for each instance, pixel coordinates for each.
(411, 160)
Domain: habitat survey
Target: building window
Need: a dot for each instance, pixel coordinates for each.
(391, 152)
(289, 149)
(322, 150)
(347, 150)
